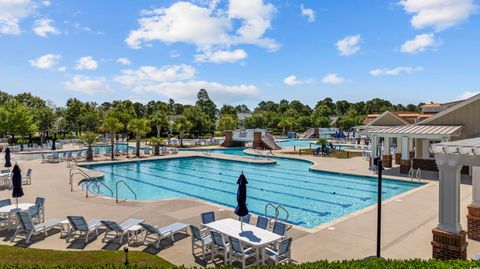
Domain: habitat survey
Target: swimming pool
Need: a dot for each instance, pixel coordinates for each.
(304, 143)
(312, 198)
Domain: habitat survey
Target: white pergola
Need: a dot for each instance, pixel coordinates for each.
(450, 158)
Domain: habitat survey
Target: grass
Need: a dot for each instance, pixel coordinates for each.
(339, 154)
(17, 256)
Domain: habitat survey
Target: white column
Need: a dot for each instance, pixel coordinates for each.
(476, 186)
(426, 149)
(449, 198)
(405, 146)
(399, 145)
(374, 148)
(386, 146)
(418, 147)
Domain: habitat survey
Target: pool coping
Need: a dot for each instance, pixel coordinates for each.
(227, 157)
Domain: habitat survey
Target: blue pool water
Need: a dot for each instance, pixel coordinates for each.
(304, 143)
(312, 198)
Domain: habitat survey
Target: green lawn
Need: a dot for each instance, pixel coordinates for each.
(17, 256)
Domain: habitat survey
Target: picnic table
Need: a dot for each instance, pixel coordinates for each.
(12, 209)
(250, 235)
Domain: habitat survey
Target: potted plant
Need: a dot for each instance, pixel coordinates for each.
(156, 142)
(89, 138)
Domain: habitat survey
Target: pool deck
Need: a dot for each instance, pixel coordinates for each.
(408, 219)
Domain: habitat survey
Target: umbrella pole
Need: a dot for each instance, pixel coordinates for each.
(241, 224)
(16, 199)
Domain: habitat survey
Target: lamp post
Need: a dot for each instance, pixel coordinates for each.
(379, 208)
(125, 249)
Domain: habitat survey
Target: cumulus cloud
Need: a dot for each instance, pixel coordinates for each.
(419, 44)
(124, 61)
(308, 12)
(47, 61)
(292, 80)
(12, 13)
(242, 22)
(43, 27)
(87, 85)
(221, 56)
(396, 71)
(466, 95)
(333, 79)
(177, 82)
(349, 45)
(86, 63)
(438, 14)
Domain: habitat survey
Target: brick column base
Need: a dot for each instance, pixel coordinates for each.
(447, 245)
(473, 222)
(387, 161)
(398, 158)
(411, 154)
(405, 166)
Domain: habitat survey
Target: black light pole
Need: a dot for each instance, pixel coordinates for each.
(379, 208)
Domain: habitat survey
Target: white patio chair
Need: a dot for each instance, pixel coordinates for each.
(26, 226)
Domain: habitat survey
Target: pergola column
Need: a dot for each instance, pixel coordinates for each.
(398, 153)
(473, 217)
(375, 141)
(449, 240)
(426, 149)
(387, 155)
(405, 161)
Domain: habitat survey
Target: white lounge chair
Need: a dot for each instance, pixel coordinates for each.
(79, 225)
(164, 232)
(26, 226)
(120, 230)
(282, 254)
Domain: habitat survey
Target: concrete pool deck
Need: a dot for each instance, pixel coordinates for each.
(407, 219)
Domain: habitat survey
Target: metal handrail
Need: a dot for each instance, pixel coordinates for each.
(410, 173)
(96, 182)
(124, 183)
(419, 174)
(270, 205)
(284, 210)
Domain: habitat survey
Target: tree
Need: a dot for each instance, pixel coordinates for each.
(156, 142)
(111, 126)
(16, 118)
(89, 138)
(45, 118)
(182, 125)
(319, 120)
(242, 109)
(377, 105)
(4, 97)
(287, 123)
(72, 115)
(139, 127)
(342, 107)
(348, 122)
(228, 110)
(160, 119)
(207, 106)
(227, 122)
(201, 123)
(124, 112)
(30, 101)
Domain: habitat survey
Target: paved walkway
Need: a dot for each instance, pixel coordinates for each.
(407, 219)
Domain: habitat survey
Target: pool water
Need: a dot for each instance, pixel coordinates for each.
(311, 198)
(304, 143)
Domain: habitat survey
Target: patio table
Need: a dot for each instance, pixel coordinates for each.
(12, 209)
(5, 180)
(250, 235)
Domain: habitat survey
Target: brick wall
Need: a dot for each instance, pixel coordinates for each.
(447, 246)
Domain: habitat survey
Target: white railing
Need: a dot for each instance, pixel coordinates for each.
(128, 187)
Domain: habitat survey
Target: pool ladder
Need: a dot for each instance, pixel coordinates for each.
(89, 180)
(277, 209)
(126, 185)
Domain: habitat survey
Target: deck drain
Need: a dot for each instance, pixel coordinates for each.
(331, 228)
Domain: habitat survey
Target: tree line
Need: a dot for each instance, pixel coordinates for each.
(26, 115)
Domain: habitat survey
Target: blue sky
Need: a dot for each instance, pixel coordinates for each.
(241, 51)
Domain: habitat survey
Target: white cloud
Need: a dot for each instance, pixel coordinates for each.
(207, 27)
(124, 61)
(12, 13)
(174, 54)
(86, 63)
(43, 27)
(419, 44)
(221, 56)
(333, 79)
(151, 74)
(348, 45)
(87, 85)
(47, 61)
(177, 82)
(308, 12)
(396, 71)
(62, 69)
(439, 14)
(292, 80)
(466, 95)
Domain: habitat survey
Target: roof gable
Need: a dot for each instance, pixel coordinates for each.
(387, 118)
(451, 109)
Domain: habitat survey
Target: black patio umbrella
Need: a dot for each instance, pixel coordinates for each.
(17, 183)
(53, 143)
(7, 158)
(241, 210)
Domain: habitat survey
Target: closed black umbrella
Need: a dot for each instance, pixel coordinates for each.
(7, 158)
(53, 143)
(17, 183)
(241, 209)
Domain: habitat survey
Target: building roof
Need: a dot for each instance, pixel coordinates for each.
(451, 130)
(454, 106)
(463, 147)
